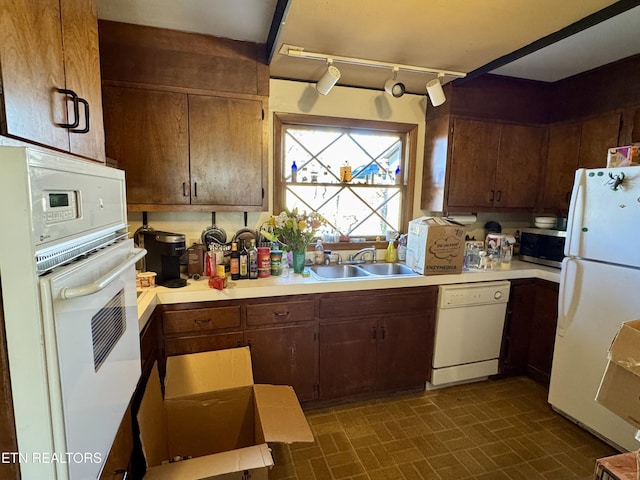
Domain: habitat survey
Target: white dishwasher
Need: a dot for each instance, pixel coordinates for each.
(469, 325)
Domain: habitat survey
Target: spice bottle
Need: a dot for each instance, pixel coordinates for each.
(234, 263)
(244, 261)
(253, 260)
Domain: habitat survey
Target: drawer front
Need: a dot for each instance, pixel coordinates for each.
(335, 306)
(203, 343)
(201, 319)
(271, 313)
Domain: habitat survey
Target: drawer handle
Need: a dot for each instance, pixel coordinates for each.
(202, 322)
(280, 314)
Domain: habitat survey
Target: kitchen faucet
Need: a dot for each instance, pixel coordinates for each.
(372, 250)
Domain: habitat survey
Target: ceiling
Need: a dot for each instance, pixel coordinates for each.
(507, 37)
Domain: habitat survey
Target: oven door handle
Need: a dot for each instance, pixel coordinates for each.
(101, 283)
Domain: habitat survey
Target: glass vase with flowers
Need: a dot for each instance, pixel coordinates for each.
(294, 231)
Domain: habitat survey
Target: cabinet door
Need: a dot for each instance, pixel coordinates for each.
(147, 135)
(347, 361)
(519, 164)
(403, 351)
(31, 59)
(226, 150)
(517, 329)
(598, 135)
(560, 166)
(82, 71)
(285, 356)
(543, 331)
(474, 157)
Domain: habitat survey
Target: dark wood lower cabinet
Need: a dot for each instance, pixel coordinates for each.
(347, 357)
(404, 350)
(543, 332)
(530, 329)
(285, 356)
(375, 340)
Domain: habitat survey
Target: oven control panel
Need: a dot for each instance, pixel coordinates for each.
(59, 206)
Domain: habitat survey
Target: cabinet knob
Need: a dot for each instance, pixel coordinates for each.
(201, 322)
(281, 314)
(499, 196)
(491, 196)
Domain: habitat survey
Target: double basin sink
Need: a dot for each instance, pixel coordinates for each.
(361, 271)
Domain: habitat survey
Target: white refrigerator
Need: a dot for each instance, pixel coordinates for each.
(599, 289)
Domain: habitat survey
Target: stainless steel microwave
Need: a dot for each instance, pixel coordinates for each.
(545, 247)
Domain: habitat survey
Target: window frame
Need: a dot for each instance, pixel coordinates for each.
(410, 143)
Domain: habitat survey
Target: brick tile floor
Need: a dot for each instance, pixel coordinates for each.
(493, 430)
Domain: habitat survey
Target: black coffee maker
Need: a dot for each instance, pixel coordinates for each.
(163, 257)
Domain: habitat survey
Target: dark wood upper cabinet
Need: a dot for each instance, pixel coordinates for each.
(571, 146)
(473, 163)
(147, 133)
(487, 166)
(45, 46)
(196, 137)
(226, 151)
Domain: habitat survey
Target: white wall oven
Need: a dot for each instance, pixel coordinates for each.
(69, 300)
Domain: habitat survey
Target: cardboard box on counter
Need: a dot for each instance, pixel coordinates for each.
(215, 417)
(620, 386)
(435, 246)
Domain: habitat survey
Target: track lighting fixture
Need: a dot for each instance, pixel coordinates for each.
(329, 79)
(392, 87)
(435, 92)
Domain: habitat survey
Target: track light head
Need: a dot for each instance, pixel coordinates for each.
(393, 87)
(435, 92)
(328, 80)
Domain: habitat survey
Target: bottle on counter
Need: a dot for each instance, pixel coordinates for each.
(402, 248)
(244, 260)
(392, 254)
(234, 263)
(318, 256)
(253, 260)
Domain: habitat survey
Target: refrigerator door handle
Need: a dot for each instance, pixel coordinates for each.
(575, 213)
(569, 283)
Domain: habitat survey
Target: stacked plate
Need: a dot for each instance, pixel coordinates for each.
(545, 222)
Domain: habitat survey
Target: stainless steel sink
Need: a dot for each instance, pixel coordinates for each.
(362, 271)
(338, 271)
(386, 269)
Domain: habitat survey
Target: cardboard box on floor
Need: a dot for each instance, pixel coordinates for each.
(620, 386)
(213, 412)
(435, 246)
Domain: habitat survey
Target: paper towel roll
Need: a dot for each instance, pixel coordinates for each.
(463, 219)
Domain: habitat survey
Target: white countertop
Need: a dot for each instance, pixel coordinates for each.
(199, 291)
